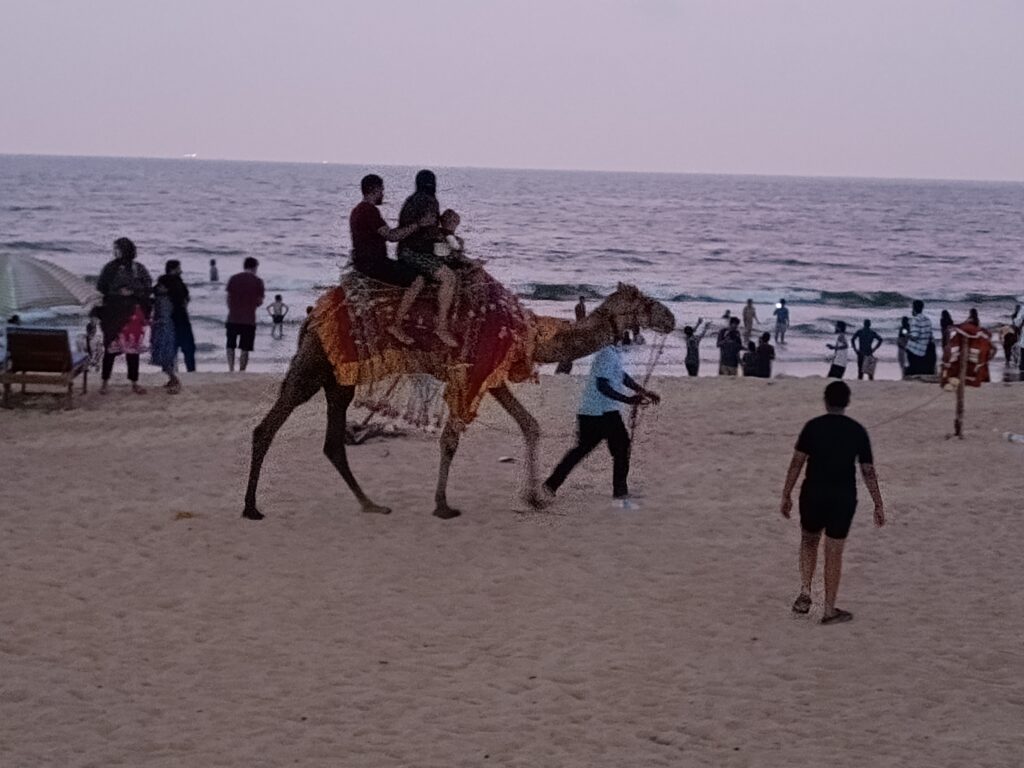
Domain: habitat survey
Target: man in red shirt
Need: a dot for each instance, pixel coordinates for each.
(371, 234)
(245, 293)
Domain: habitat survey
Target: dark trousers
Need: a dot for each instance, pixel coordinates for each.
(186, 343)
(131, 360)
(693, 369)
(592, 430)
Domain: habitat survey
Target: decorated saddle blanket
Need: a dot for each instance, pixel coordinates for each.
(495, 336)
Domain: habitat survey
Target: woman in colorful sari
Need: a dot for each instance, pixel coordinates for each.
(126, 286)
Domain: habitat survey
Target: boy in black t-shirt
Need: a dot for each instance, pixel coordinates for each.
(830, 445)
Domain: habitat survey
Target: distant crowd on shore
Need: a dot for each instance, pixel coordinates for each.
(132, 303)
(917, 352)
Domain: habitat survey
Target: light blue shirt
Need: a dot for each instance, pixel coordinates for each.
(607, 365)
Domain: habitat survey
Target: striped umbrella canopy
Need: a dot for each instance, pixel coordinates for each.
(30, 283)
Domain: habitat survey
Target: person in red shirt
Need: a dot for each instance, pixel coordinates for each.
(371, 235)
(244, 294)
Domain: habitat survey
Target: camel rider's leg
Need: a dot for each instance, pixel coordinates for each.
(408, 299)
(445, 297)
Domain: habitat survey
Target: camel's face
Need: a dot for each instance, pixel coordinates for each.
(635, 309)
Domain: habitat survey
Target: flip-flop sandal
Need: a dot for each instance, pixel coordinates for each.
(839, 617)
(802, 604)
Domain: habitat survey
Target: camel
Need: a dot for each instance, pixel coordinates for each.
(310, 371)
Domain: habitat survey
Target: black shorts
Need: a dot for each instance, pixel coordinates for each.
(278, 319)
(827, 510)
(239, 335)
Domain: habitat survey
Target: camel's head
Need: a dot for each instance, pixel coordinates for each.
(633, 309)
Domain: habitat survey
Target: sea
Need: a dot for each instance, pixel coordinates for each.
(835, 248)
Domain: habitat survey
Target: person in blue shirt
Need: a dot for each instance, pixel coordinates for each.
(599, 419)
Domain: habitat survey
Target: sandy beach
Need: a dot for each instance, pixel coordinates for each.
(145, 624)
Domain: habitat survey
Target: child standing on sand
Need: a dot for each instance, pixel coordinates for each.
(277, 311)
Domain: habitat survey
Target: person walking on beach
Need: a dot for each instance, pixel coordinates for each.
(901, 345)
(245, 294)
(865, 343)
(920, 343)
(163, 342)
(214, 273)
(178, 294)
(126, 288)
(765, 356)
(693, 336)
(749, 318)
(840, 352)
(599, 419)
(278, 311)
(830, 445)
(781, 321)
(730, 345)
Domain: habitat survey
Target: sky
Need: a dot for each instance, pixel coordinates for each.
(885, 88)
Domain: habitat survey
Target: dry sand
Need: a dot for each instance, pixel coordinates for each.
(145, 624)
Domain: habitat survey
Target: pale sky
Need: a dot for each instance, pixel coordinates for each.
(890, 88)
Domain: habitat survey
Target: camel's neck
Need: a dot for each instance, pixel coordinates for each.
(571, 341)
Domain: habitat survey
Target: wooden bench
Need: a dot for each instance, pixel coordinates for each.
(42, 356)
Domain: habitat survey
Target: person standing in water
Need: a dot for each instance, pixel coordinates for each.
(580, 310)
(830, 445)
(749, 318)
(214, 274)
(693, 336)
(865, 343)
(244, 294)
(840, 352)
(781, 321)
(278, 311)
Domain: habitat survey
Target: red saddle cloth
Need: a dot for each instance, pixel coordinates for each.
(494, 331)
(979, 352)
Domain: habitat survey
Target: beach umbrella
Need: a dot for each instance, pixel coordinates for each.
(30, 283)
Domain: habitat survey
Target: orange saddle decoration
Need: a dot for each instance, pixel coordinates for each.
(495, 333)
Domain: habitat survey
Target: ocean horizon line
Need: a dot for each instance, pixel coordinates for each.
(197, 158)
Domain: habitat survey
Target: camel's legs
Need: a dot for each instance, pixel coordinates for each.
(338, 399)
(449, 444)
(531, 433)
(299, 385)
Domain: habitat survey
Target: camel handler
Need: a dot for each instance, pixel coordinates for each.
(829, 445)
(599, 419)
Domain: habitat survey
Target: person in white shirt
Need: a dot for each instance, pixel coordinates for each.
(599, 419)
(840, 352)
(920, 343)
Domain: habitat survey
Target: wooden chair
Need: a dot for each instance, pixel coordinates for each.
(42, 356)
